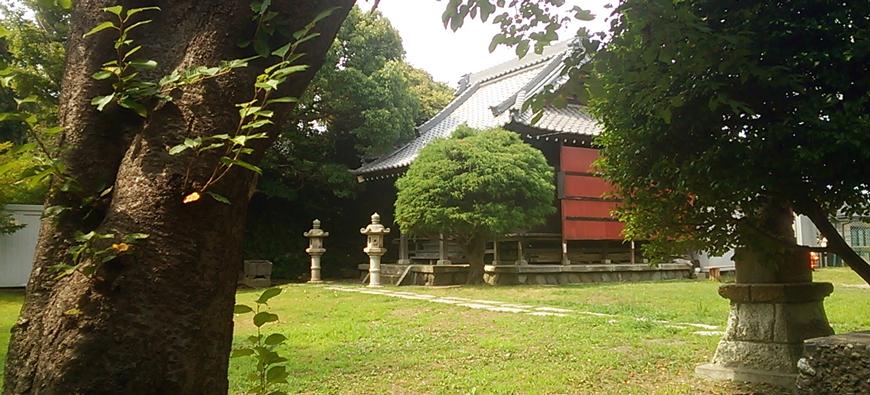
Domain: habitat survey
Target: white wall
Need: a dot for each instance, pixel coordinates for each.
(17, 249)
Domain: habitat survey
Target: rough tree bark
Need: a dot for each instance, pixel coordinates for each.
(157, 320)
(475, 249)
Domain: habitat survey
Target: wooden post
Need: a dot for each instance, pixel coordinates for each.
(632, 252)
(521, 259)
(495, 260)
(442, 250)
(565, 260)
(403, 250)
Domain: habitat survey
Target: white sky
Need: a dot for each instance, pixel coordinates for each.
(448, 55)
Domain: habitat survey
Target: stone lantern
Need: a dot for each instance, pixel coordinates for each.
(375, 248)
(315, 249)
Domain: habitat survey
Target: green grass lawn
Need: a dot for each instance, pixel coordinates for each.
(341, 342)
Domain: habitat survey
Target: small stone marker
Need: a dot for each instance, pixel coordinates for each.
(315, 249)
(257, 273)
(375, 248)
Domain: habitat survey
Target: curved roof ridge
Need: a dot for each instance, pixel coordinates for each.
(516, 64)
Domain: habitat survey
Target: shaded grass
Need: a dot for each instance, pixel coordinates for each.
(10, 306)
(341, 342)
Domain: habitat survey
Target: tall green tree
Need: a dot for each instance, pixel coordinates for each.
(712, 111)
(31, 66)
(363, 102)
(156, 317)
(473, 186)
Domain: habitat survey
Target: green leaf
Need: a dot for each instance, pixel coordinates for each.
(268, 294)
(101, 75)
(114, 10)
(28, 99)
(65, 4)
(143, 64)
(277, 374)
(219, 198)
(132, 51)
(135, 25)
(134, 11)
(275, 339)
(192, 143)
(323, 14)
(241, 352)
(522, 48)
(129, 103)
(52, 211)
(102, 26)
(177, 149)
(135, 236)
(72, 312)
(229, 161)
(281, 52)
(264, 317)
(582, 15)
(261, 47)
(242, 309)
(61, 270)
(285, 99)
(102, 101)
(257, 124)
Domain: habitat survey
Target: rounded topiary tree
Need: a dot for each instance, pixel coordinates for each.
(472, 186)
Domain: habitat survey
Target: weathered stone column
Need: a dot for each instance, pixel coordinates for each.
(443, 259)
(775, 306)
(315, 249)
(375, 248)
(403, 250)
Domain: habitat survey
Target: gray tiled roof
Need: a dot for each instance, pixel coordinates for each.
(491, 98)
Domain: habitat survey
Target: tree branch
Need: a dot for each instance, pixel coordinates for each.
(836, 243)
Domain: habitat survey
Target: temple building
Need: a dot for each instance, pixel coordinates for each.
(581, 242)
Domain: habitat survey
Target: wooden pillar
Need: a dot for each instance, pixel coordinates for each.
(442, 250)
(495, 260)
(633, 251)
(521, 259)
(565, 260)
(403, 250)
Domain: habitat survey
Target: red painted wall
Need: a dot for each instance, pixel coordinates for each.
(585, 213)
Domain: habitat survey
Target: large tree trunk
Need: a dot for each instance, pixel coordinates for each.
(475, 249)
(159, 319)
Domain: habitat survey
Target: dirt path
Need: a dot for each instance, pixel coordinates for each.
(512, 308)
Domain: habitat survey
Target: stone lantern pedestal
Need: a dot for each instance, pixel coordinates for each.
(775, 306)
(375, 248)
(315, 249)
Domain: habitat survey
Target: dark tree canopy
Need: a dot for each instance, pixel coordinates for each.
(711, 110)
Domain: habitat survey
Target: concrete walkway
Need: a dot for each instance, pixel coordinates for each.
(511, 308)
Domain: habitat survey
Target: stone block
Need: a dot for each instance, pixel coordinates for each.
(750, 322)
(794, 322)
(837, 364)
(781, 358)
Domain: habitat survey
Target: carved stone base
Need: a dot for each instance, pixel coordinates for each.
(766, 329)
